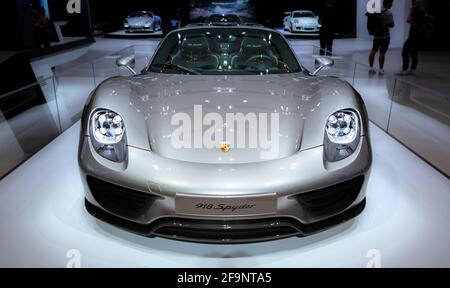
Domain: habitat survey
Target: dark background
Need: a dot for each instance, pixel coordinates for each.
(108, 15)
(16, 22)
(440, 41)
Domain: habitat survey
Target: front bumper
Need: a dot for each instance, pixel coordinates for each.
(303, 29)
(225, 232)
(311, 194)
(137, 29)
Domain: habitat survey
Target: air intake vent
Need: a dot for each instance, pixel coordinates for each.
(333, 198)
(120, 200)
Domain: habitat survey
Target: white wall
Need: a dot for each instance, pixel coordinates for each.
(400, 11)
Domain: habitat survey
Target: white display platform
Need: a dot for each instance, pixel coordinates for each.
(297, 34)
(123, 34)
(42, 218)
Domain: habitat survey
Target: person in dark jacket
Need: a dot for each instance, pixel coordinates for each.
(381, 42)
(41, 26)
(328, 23)
(167, 14)
(410, 52)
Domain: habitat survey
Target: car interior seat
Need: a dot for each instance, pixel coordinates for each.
(252, 47)
(195, 53)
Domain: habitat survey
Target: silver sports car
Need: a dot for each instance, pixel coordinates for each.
(142, 21)
(225, 138)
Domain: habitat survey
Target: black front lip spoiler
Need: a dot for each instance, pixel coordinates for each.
(226, 232)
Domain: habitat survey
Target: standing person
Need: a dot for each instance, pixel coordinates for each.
(166, 17)
(411, 47)
(179, 17)
(381, 42)
(328, 26)
(41, 26)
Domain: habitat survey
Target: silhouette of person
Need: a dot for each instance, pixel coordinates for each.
(410, 51)
(381, 42)
(328, 23)
(41, 26)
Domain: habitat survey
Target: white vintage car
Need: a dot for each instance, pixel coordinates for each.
(303, 21)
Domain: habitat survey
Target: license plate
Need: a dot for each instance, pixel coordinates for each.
(226, 206)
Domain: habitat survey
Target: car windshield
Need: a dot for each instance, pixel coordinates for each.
(230, 51)
(223, 18)
(303, 14)
(141, 14)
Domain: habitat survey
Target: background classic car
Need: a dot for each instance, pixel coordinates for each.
(142, 21)
(301, 21)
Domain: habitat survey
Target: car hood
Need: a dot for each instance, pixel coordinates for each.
(148, 104)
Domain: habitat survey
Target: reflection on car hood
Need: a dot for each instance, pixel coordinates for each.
(153, 99)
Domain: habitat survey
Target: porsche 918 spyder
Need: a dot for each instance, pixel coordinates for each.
(225, 138)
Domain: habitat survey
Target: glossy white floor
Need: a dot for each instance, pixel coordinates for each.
(42, 217)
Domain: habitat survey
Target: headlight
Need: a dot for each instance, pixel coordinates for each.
(342, 127)
(108, 135)
(342, 135)
(296, 21)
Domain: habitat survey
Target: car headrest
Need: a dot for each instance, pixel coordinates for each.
(195, 44)
(254, 43)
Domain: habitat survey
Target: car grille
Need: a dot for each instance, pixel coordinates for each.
(227, 231)
(333, 198)
(120, 200)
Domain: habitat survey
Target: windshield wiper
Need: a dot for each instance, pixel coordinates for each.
(178, 67)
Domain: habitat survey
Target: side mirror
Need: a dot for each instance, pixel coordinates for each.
(321, 63)
(128, 62)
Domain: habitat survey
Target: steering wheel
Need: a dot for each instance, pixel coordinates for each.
(258, 60)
